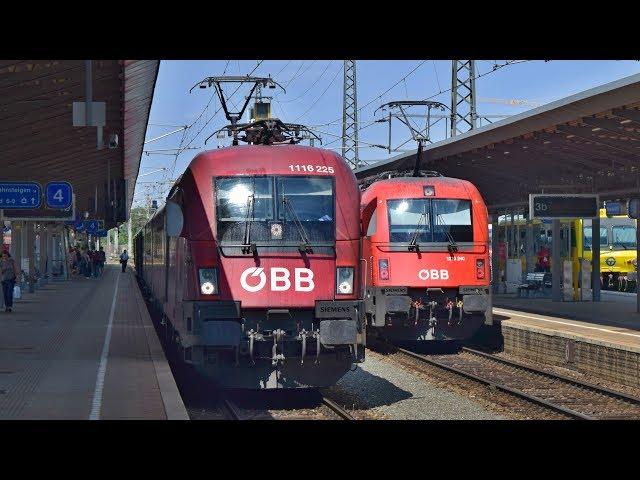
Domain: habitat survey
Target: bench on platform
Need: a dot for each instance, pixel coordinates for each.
(535, 282)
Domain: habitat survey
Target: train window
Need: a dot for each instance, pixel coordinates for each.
(311, 199)
(233, 196)
(408, 216)
(432, 220)
(373, 223)
(587, 237)
(452, 217)
(624, 237)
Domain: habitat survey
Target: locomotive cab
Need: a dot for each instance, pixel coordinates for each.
(426, 241)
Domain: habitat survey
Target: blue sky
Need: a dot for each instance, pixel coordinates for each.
(314, 98)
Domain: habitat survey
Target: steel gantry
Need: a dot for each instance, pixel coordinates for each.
(463, 96)
(350, 115)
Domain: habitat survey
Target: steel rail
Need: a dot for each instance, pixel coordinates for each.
(337, 409)
(230, 409)
(556, 376)
(498, 386)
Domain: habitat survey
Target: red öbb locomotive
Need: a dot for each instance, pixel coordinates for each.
(255, 264)
(426, 241)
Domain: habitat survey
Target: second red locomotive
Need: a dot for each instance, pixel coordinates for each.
(426, 241)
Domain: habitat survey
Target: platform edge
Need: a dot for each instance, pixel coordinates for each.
(173, 405)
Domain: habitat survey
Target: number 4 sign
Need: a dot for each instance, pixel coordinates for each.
(58, 195)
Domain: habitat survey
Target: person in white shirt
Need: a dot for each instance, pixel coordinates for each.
(123, 260)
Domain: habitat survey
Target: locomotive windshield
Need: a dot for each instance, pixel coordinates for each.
(275, 210)
(623, 237)
(429, 220)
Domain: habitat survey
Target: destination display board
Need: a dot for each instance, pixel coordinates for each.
(615, 208)
(555, 206)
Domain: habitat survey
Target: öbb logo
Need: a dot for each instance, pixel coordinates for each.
(280, 279)
(433, 274)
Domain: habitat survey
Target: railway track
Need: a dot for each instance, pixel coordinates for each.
(337, 409)
(232, 412)
(570, 397)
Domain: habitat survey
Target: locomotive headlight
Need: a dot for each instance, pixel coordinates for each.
(208, 281)
(344, 280)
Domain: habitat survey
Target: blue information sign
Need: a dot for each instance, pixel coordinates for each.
(79, 226)
(58, 195)
(101, 233)
(93, 226)
(20, 195)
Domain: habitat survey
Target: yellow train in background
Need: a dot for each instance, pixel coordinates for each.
(618, 262)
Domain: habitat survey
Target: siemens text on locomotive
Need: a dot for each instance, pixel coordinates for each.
(426, 241)
(255, 264)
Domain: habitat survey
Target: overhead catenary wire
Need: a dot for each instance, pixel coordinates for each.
(321, 95)
(285, 66)
(312, 85)
(297, 76)
(382, 94)
(495, 68)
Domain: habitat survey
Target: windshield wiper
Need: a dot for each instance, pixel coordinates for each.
(247, 246)
(453, 246)
(306, 244)
(621, 244)
(413, 243)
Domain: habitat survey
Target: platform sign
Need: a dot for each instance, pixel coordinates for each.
(42, 214)
(556, 206)
(20, 195)
(79, 226)
(58, 195)
(101, 233)
(92, 226)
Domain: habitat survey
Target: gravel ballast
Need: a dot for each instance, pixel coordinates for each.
(386, 391)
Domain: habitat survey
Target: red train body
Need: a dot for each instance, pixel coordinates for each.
(426, 242)
(255, 262)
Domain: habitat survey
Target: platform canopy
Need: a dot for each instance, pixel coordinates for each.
(584, 143)
(38, 141)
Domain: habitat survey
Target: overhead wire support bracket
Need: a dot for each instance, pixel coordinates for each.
(399, 109)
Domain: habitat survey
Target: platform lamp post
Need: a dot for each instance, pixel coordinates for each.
(556, 261)
(633, 211)
(637, 256)
(595, 259)
(129, 235)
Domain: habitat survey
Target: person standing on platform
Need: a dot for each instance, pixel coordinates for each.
(123, 260)
(78, 255)
(10, 274)
(95, 260)
(102, 257)
(86, 261)
(544, 260)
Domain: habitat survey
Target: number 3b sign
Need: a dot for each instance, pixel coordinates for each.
(58, 195)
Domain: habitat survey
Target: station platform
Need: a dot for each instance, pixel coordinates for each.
(85, 349)
(597, 338)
